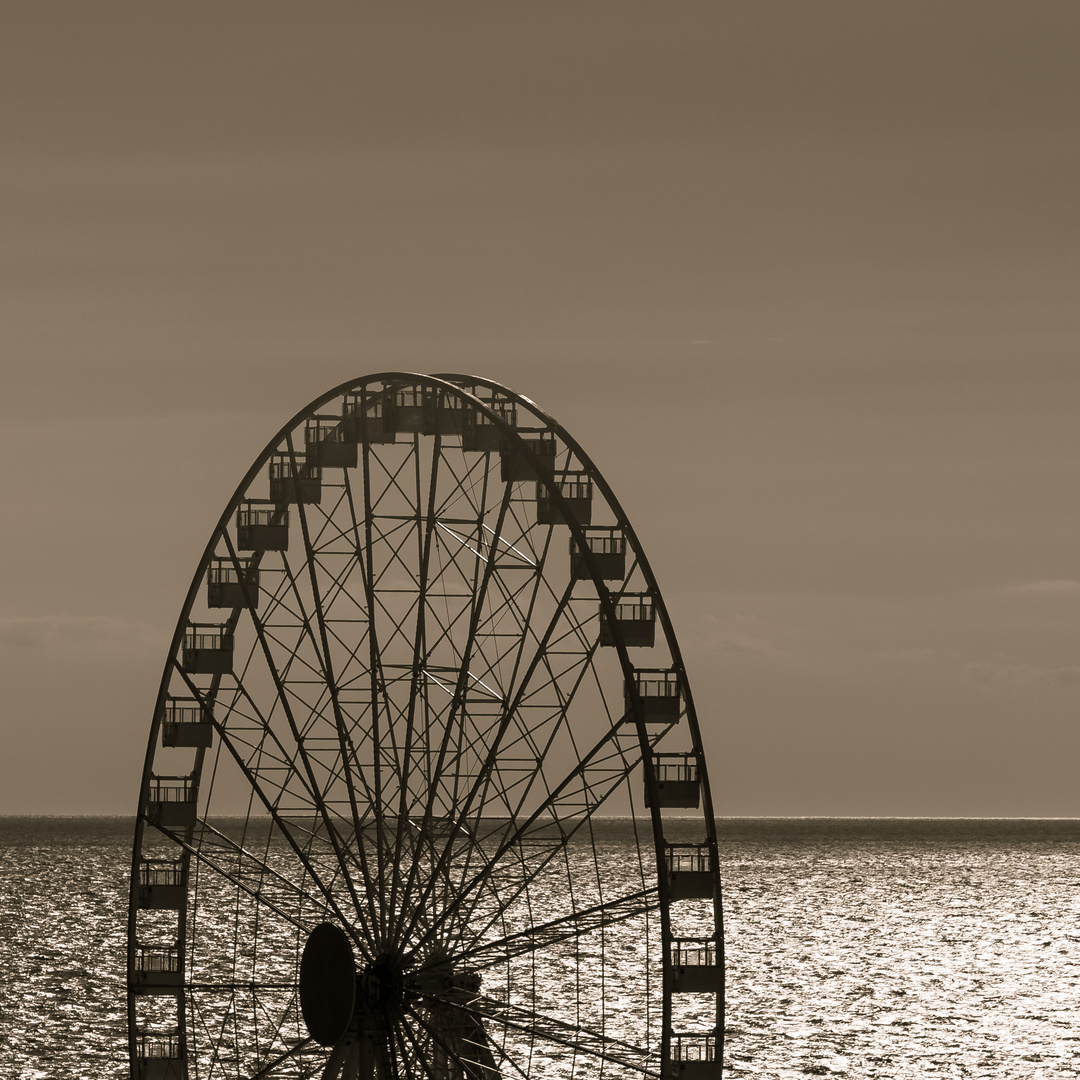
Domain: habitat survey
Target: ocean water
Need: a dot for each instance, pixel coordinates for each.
(63, 935)
(868, 948)
(856, 948)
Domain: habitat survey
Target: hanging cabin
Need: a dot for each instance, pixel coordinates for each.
(362, 418)
(576, 490)
(635, 618)
(480, 432)
(261, 526)
(678, 782)
(157, 969)
(160, 1057)
(694, 1057)
(326, 446)
(422, 410)
(186, 722)
(693, 966)
(294, 480)
(515, 465)
(208, 649)
(689, 871)
(162, 884)
(658, 692)
(607, 546)
(171, 802)
(230, 587)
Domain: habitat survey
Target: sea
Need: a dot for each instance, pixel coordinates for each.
(856, 947)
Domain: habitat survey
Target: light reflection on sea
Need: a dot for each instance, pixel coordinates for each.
(903, 949)
(63, 927)
(860, 948)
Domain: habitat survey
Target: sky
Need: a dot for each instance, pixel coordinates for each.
(802, 279)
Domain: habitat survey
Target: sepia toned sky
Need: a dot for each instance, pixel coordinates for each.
(801, 278)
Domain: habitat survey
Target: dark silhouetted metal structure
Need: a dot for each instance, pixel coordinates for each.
(425, 793)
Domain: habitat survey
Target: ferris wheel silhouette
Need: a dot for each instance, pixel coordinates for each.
(425, 794)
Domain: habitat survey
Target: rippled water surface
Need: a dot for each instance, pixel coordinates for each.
(903, 948)
(63, 932)
(859, 948)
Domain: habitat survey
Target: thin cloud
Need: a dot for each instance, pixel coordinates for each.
(81, 633)
(911, 655)
(1010, 677)
(1056, 588)
(1066, 676)
(715, 636)
(745, 643)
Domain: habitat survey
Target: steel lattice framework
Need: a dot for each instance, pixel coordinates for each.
(425, 793)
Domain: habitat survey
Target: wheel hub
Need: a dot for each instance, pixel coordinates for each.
(334, 994)
(382, 985)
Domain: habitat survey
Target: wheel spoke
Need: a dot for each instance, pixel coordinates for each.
(591, 1044)
(268, 1070)
(279, 821)
(417, 706)
(564, 928)
(312, 787)
(537, 820)
(345, 749)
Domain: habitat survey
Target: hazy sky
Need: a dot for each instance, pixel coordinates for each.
(802, 279)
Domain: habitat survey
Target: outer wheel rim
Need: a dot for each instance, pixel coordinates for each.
(204, 855)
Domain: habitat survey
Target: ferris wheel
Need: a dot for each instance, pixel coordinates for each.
(425, 794)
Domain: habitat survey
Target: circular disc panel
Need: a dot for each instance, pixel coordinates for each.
(327, 984)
